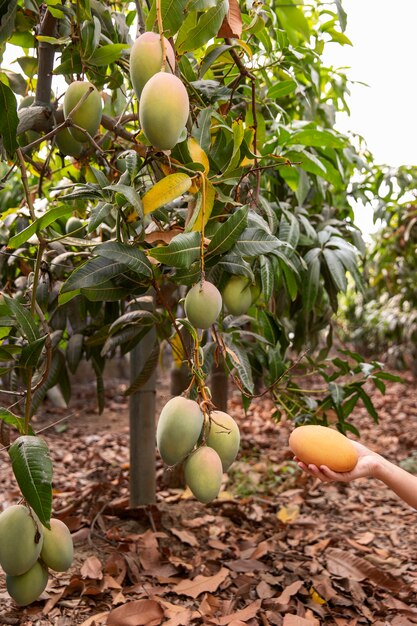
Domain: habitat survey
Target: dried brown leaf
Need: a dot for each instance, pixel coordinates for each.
(243, 615)
(295, 620)
(92, 568)
(202, 584)
(186, 537)
(96, 620)
(232, 23)
(290, 591)
(347, 565)
(137, 613)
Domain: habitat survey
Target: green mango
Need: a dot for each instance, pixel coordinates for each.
(203, 304)
(178, 430)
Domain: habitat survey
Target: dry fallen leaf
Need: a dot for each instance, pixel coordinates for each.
(202, 584)
(232, 23)
(137, 613)
(92, 568)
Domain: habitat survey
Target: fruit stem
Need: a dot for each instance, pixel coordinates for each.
(161, 34)
(203, 206)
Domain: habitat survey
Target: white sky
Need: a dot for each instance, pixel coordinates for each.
(383, 55)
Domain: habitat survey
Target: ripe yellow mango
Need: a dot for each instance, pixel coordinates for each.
(203, 473)
(146, 59)
(21, 539)
(163, 110)
(88, 114)
(179, 428)
(320, 445)
(27, 587)
(57, 550)
(237, 295)
(203, 304)
(224, 437)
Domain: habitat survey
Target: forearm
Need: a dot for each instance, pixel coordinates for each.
(402, 483)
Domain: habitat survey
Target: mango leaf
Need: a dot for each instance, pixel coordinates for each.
(172, 13)
(105, 292)
(254, 241)
(11, 419)
(46, 220)
(107, 54)
(281, 89)
(201, 129)
(74, 351)
(232, 23)
(238, 136)
(208, 26)
(26, 323)
(8, 119)
(92, 273)
(204, 208)
(318, 138)
(31, 353)
(293, 19)
(212, 56)
(98, 214)
(165, 191)
(197, 154)
(228, 233)
(240, 360)
(32, 467)
(267, 277)
(134, 258)
(234, 264)
(311, 286)
(7, 19)
(336, 269)
(183, 250)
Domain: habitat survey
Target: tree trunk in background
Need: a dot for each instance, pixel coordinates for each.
(219, 387)
(142, 427)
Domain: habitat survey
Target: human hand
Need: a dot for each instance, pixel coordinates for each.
(368, 462)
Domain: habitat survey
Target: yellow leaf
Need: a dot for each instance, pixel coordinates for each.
(316, 597)
(165, 190)
(178, 350)
(288, 514)
(197, 154)
(207, 203)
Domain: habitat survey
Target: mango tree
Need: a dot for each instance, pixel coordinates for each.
(175, 176)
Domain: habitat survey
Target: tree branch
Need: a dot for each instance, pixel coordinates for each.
(46, 61)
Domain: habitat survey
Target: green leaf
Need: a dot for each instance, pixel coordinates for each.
(336, 269)
(182, 251)
(14, 420)
(32, 467)
(234, 264)
(368, 404)
(31, 353)
(317, 138)
(8, 119)
(311, 287)
(173, 15)
(208, 26)
(26, 323)
(105, 292)
(337, 393)
(254, 241)
(293, 20)
(93, 273)
(267, 277)
(98, 215)
(341, 13)
(74, 351)
(240, 360)
(228, 233)
(211, 57)
(135, 259)
(51, 216)
(281, 89)
(107, 54)
(7, 19)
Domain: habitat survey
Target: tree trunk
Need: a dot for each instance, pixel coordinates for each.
(219, 387)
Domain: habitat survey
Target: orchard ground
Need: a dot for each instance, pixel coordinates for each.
(276, 548)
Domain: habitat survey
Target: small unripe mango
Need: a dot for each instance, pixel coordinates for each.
(163, 110)
(320, 445)
(146, 59)
(57, 550)
(203, 304)
(27, 587)
(88, 114)
(224, 437)
(74, 226)
(178, 430)
(237, 295)
(203, 473)
(67, 144)
(21, 539)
